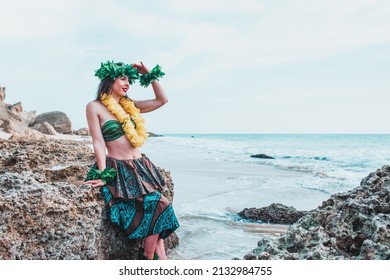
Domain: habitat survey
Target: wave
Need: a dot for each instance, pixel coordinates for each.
(322, 158)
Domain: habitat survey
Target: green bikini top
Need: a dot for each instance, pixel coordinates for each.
(112, 130)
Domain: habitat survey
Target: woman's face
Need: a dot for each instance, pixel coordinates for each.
(120, 86)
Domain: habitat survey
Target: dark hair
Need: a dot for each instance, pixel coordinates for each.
(104, 87)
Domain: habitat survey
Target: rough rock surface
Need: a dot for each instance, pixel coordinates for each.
(59, 120)
(350, 225)
(47, 213)
(276, 213)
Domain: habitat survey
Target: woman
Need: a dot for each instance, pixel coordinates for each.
(130, 183)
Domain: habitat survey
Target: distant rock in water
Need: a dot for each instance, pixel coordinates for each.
(151, 134)
(276, 213)
(262, 156)
(352, 225)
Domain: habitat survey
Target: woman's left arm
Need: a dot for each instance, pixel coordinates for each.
(159, 94)
(153, 104)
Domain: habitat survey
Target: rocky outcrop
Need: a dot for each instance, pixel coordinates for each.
(14, 120)
(350, 225)
(59, 120)
(276, 213)
(46, 210)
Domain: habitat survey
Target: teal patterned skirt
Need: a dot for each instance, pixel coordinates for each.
(135, 201)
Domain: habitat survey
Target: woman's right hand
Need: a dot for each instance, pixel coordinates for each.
(141, 68)
(95, 183)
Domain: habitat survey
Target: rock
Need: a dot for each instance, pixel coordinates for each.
(16, 108)
(16, 127)
(59, 120)
(2, 95)
(27, 117)
(262, 156)
(47, 212)
(352, 225)
(275, 213)
(82, 131)
(12, 121)
(45, 128)
(151, 134)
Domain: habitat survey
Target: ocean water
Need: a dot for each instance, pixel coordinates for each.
(215, 177)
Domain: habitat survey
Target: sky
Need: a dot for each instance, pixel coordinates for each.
(248, 66)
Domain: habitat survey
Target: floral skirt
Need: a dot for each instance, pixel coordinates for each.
(135, 201)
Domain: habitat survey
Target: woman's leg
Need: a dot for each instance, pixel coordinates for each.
(160, 249)
(150, 246)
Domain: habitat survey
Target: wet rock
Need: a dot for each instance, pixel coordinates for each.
(352, 225)
(275, 213)
(262, 156)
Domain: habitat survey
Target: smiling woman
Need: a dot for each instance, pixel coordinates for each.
(130, 183)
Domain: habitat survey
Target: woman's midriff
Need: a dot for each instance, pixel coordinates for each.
(122, 149)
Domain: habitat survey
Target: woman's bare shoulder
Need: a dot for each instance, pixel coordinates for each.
(94, 105)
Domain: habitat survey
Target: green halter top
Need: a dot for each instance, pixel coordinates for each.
(112, 130)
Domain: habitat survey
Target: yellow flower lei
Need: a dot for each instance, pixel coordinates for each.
(129, 116)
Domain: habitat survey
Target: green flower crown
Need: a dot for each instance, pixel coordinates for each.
(114, 70)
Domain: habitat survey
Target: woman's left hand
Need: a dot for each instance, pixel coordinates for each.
(141, 68)
(95, 183)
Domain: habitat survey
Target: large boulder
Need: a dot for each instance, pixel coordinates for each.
(46, 210)
(59, 120)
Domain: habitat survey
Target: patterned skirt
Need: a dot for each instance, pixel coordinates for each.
(135, 201)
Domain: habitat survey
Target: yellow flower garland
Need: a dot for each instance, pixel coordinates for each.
(129, 116)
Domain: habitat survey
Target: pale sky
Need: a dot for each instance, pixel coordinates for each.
(248, 66)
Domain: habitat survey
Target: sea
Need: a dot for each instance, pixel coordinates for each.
(215, 177)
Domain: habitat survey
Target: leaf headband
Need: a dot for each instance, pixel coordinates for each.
(114, 70)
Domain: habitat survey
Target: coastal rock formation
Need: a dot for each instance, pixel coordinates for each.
(276, 213)
(47, 212)
(14, 120)
(350, 225)
(59, 120)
